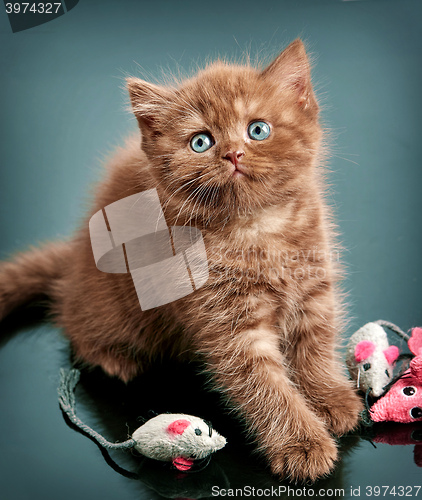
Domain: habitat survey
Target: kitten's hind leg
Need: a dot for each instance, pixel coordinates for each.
(113, 361)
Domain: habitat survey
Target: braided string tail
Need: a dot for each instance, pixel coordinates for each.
(66, 391)
(393, 328)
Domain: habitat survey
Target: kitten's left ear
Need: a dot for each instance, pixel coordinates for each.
(291, 71)
(148, 101)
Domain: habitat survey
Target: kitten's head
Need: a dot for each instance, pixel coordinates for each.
(233, 138)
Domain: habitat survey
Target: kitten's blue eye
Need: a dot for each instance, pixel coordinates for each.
(259, 131)
(201, 142)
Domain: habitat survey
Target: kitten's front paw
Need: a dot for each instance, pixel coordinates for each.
(305, 459)
(341, 413)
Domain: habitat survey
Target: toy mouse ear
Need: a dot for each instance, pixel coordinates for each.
(178, 426)
(363, 350)
(416, 368)
(391, 354)
(415, 341)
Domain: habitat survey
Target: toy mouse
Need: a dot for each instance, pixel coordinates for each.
(403, 401)
(177, 438)
(370, 358)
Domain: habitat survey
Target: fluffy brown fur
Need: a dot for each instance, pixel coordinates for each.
(266, 321)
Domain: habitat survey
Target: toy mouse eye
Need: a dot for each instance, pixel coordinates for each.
(386, 372)
(366, 366)
(201, 142)
(198, 432)
(416, 412)
(259, 131)
(409, 391)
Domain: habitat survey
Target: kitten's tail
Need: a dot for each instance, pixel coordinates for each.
(31, 275)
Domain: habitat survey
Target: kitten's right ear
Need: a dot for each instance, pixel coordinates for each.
(291, 70)
(148, 101)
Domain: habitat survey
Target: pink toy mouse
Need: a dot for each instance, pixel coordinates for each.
(403, 402)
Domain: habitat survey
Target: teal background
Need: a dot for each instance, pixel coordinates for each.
(63, 109)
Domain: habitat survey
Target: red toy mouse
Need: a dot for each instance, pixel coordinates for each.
(403, 401)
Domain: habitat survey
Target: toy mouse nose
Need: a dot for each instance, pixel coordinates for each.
(234, 156)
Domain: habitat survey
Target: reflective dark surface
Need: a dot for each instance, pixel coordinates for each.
(62, 112)
(44, 458)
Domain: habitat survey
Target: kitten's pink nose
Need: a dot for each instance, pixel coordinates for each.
(234, 156)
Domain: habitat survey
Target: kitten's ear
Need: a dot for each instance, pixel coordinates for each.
(291, 70)
(148, 101)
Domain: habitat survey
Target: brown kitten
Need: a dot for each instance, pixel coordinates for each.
(266, 321)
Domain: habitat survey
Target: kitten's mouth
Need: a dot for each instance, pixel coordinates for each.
(239, 171)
